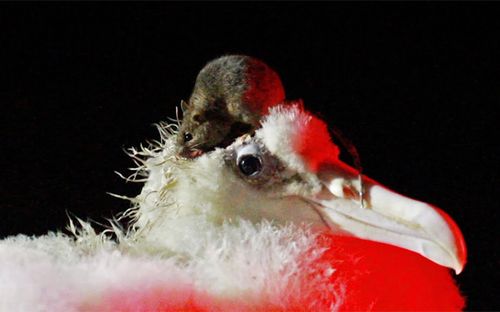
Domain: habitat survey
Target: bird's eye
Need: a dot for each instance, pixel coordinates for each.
(253, 163)
(188, 137)
(250, 165)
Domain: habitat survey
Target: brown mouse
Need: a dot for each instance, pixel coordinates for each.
(230, 95)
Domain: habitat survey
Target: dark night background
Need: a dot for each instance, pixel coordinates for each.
(416, 87)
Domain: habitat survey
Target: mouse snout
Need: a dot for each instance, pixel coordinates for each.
(187, 152)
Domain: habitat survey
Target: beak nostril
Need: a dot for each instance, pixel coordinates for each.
(349, 192)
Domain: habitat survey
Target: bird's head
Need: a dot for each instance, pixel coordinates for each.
(289, 172)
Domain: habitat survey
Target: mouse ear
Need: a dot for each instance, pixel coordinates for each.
(184, 105)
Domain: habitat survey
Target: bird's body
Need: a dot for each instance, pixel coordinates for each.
(238, 267)
(345, 273)
(265, 224)
(230, 96)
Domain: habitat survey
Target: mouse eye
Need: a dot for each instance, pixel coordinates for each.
(187, 137)
(250, 165)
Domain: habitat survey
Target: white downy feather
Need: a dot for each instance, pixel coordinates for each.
(180, 237)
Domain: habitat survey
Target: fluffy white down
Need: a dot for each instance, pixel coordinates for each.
(280, 128)
(173, 242)
(56, 273)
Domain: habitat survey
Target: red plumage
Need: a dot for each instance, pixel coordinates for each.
(383, 277)
(368, 276)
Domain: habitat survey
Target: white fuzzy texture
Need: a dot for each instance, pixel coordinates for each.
(54, 273)
(280, 129)
(51, 273)
(195, 224)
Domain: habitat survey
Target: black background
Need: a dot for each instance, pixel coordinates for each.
(416, 87)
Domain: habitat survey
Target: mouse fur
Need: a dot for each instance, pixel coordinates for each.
(230, 95)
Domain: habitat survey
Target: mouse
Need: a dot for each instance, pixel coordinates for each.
(230, 95)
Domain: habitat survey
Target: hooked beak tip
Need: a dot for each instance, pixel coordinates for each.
(389, 217)
(461, 248)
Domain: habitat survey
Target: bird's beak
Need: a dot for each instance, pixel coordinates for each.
(387, 217)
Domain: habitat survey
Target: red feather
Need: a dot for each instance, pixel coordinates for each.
(368, 276)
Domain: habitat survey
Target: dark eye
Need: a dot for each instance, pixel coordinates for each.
(249, 165)
(188, 137)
